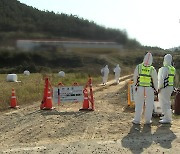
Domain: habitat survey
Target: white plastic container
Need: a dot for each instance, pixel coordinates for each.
(61, 74)
(11, 78)
(26, 72)
(157, 108)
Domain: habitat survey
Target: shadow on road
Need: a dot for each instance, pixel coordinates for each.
(164, 136)
(137, 138)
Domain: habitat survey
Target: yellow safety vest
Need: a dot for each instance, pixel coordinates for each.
(144, 78)
(169, 81)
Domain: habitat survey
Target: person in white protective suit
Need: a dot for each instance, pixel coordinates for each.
(145, 79)
(165, 88)
(117, 71)
(105, 73)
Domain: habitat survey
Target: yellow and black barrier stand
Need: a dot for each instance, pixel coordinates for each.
(131, 94)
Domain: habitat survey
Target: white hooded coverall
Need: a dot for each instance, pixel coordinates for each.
(117, 71)
(165, 92)
(105, 73)
(144, 94)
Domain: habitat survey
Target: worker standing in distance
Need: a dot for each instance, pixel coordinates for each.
(165, 88)
(145, 79)
(117, 71)
(105, 73)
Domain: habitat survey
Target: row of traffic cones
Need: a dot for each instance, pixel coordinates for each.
(47, 99)
(46, 105)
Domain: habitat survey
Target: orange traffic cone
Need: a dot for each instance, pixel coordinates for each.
(86, 101)
(13, 102)
(48, 103)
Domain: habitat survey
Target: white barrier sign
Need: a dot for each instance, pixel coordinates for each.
(68, 94)
(132, 92)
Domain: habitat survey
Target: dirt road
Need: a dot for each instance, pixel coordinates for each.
(108, 129)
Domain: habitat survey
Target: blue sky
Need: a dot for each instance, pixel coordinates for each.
(151, 22)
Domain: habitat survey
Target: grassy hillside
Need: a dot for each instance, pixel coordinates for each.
(88, 62)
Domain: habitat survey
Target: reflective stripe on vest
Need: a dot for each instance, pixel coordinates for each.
(145, 75)
(169, 81)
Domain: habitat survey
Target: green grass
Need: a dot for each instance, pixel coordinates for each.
(27, 91)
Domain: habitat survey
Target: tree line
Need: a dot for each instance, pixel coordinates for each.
(18, 17)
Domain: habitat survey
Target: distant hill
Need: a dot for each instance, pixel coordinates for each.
(27, 22)
(175, 49)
